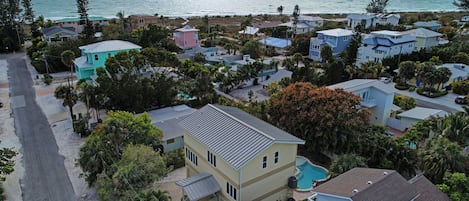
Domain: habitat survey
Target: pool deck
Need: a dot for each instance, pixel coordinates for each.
(301, 195)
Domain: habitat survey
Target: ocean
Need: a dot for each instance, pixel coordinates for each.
(186, 8)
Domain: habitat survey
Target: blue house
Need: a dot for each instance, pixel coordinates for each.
(432, 25)
(337, 39)
(94, 56)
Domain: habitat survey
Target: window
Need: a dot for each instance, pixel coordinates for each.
(276, 157)
(231, 190)
(211, 158)
(264, 162)
(96, 57)
(170, 141)
(191, 156)
(109, 55)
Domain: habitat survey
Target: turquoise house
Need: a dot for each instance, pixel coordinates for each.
(94, 56)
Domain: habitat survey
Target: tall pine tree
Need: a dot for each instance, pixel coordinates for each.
(88, 31)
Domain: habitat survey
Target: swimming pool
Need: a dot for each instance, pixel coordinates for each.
(308, 172)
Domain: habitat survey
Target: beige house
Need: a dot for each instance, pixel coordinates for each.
(232, 155)
(425, 39)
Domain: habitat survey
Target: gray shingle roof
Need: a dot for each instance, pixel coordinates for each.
(199, 186)
(234, 135)
(364, 184)
(427, 190)
(52, 31)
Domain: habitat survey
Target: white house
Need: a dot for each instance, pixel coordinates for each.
(412, 116)
(382, 44)
(167, 119)
(425, 39)
(305, 24)
(337, 39)
(368, 20)
(458, 72)
(376, 96)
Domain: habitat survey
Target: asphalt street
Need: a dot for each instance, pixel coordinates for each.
(45, 176)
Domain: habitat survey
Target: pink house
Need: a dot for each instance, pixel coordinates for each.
(186, 37)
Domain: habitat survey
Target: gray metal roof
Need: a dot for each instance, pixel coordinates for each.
(358, 84)
(199, 186)
(234, 135)
(422, 113)
(167, 120)
(52, 31)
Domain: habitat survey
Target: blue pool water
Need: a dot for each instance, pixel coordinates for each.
(308, 173)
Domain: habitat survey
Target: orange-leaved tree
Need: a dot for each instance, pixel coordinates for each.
(328, 120)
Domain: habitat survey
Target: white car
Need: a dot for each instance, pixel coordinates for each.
(386, 80)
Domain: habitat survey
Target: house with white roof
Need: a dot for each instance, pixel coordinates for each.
(432, 25)
(337, 39)
(167, 119)
(369, 20)
(414, 115)
(459, 72)
(77, 26)
(249, 30)
(376, 96)
(232, 155)
(94, 56)
(305, 24)
(382, 44)
(425, 39)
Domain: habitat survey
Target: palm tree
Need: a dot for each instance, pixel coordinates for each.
(346, 162)
(154, 195)
(121, 17)
(407, 71)
(441, 155)
(297, 57)
(68, 95)
(296, 14)
(289, 64)
(280, 10)
(443, 75)
(67, 58)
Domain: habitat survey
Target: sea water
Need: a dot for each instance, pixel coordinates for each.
(184, 8)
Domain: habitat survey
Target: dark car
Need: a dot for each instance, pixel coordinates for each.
(1, 104)
(461, 100)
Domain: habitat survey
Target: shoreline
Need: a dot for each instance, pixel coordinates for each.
(195, 16)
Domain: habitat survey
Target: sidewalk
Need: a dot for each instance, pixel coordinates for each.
(9, 139)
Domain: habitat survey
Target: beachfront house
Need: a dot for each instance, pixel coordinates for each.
(167, 119)
(459, 72)
(232, 155)
(94, 56)
(425, 39)
(58, 34)
(139, 21)
(376, 96)
(382, 44)
(186, 37)
(410, 117)
(360, 184)
(305, 24)
(432, 25)
(337, 39)
(369, 20)
(74, 22)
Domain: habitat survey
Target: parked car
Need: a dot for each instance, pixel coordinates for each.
(386, 80)
(461, 100)
(1, 104)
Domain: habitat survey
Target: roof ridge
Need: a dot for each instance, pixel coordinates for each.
(242, 122)
(391, 172)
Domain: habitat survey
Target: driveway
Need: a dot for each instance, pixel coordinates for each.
(45, 176)
(445, 103)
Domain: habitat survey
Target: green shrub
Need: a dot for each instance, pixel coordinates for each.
(411, 88)
(431, 93)
(47, 79)
(401, 87)
(460, 88)
(175, 158)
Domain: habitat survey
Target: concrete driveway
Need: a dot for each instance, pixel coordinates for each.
(445, 103)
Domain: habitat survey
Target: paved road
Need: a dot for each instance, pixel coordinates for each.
(45, 178)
